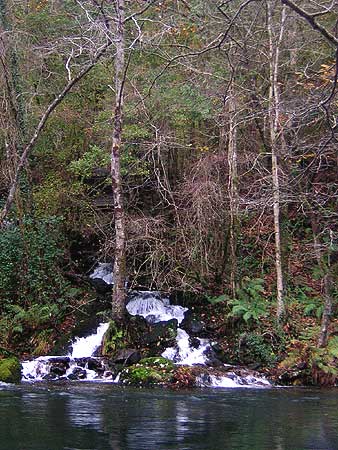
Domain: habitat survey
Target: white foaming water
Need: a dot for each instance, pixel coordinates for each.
(86, 346)
(40, 368)
(231, 380)
(36, 369)
(104, 271)
(184, 353)
(154, 308)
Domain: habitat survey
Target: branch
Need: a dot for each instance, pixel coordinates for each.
(310, 18)
(140, 12)
(27, 150)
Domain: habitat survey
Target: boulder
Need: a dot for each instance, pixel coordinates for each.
(156, 370)
(152, 338)
(192, 325)
(101, 286)
(10, 370)
(127, 357)
(78, 374)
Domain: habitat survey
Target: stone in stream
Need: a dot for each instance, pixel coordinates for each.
(78, 374)
(127, 357)
(191, 325)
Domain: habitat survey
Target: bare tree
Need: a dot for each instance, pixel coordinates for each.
(275, 137)
(119, 271)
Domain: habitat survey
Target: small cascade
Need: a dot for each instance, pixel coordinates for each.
(154, 308)
(104, 271)
(79, 364)
(232, 380)
(86, 346)
(185, 353)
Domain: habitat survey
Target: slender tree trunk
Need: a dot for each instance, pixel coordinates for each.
(329, 270)
(274, 121)
(327, 312)
(233, 187)
(119, 272)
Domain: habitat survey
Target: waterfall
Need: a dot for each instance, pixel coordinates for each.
(154, 308)
(104, 271)
(86, 346)
(80, 364)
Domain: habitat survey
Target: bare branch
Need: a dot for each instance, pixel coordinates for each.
(40, 127)
(310, 18)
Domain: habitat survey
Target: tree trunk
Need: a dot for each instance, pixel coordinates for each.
(233, 188)
(119, 271)
(327, 312)
(275, 132)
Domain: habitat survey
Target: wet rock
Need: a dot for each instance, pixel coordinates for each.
(127, 357)
(195, 342)
(78, 374)
(191, 325)
(95, 365)
(218, 352)
(212, 360)
(58, 370)
(49, 377)
(152, 338)
(101, 286)
(156, 370)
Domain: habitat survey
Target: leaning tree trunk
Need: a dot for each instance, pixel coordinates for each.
(119, 271)
(275, 136)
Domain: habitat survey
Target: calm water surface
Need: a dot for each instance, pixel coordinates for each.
(101, 416)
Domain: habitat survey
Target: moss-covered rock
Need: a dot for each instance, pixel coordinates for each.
(113, 340)
(10, 370)
(151, 338)
(155, 370)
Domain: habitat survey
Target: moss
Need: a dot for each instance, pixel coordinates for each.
(113, 340)
(10, 370)
(155, 370)
(157, 362)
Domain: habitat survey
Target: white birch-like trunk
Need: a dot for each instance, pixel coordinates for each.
(233, 187)
(119, 271)
(275, 138)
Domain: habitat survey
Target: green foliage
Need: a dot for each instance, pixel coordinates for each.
(113, 340)
(326, 359)
(304, 297)
(155, 370)
(224, 298)
(33, 291)
(95, 157)
(249, 303)
(10, 370)
(256, 348)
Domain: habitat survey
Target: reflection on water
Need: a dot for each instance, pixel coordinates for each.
(100, 417)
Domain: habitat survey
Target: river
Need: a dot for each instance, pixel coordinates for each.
(88, 416)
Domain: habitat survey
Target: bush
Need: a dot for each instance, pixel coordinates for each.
(255, 348)
(34, 293)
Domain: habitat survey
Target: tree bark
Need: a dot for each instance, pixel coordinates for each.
(233, 188)
(119, 271)
(275, 132)
(327, 312)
